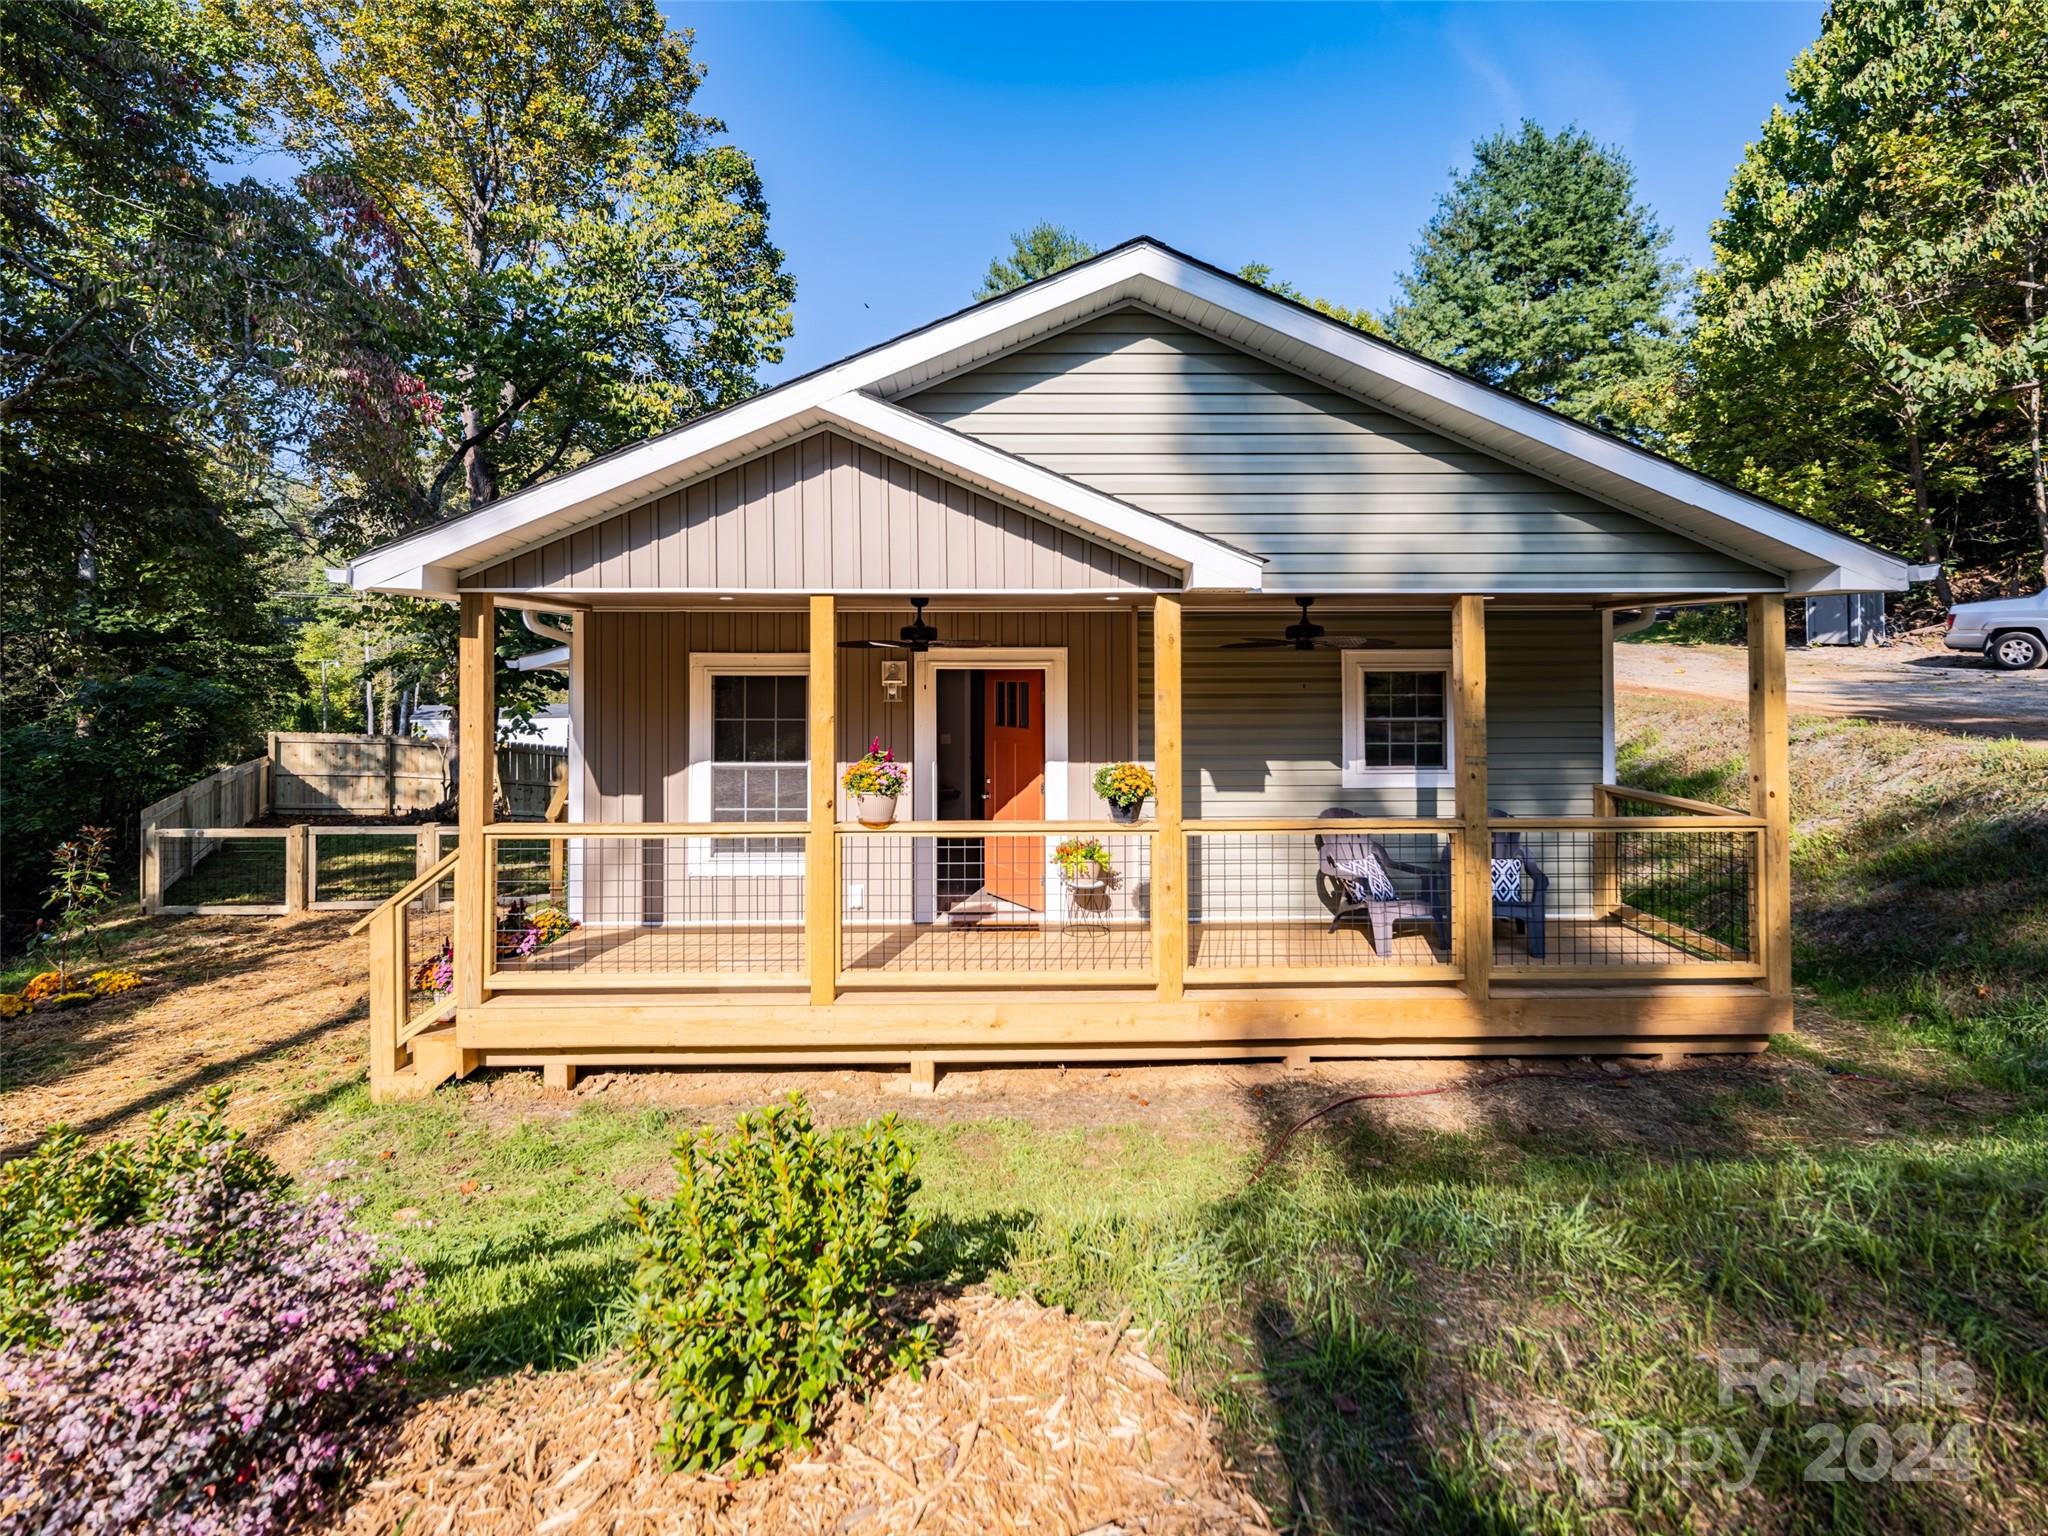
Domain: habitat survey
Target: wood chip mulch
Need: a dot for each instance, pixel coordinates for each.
(1030, 1420)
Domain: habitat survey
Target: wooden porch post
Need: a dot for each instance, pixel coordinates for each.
(1169, 847)
(1770, 788)
(477, 704)
(821, 846)
(1472, 845)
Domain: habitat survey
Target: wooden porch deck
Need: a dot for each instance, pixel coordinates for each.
(964, 952)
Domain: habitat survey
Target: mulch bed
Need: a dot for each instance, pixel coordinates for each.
(1030, 1420)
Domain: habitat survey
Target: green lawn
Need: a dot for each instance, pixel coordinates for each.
(1389, 1320)
(1504, 1314)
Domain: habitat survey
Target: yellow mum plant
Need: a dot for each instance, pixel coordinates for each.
(1124, 784)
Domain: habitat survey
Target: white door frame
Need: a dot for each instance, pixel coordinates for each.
(924, 746)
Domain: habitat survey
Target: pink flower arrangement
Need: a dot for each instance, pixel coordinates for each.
(876, 772)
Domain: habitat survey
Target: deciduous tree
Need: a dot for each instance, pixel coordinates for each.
(1893, 220)
(152, 325)
(569, 255)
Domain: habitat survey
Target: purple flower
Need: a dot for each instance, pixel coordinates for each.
(208, 1369)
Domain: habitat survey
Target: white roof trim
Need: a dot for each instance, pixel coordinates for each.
(1813, 558)
(1207, 562)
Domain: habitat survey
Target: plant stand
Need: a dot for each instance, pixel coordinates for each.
(1083, 913)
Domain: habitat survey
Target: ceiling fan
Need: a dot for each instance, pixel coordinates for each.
(1308, 636)
(917, 637)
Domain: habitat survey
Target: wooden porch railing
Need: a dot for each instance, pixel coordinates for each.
(401, 1010)
(729, 907)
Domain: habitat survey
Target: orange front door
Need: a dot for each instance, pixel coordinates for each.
(1015, 760)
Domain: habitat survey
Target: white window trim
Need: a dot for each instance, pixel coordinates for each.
(704, 858)
(924, 755)
(1356, 775)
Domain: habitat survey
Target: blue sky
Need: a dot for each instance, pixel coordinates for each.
(900, 144)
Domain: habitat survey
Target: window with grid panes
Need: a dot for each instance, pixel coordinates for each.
(1398, 731)
(760, 758)
(1402, 720)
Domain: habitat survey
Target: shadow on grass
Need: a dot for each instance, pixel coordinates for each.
(1403, 1295)
(45, 1046)
(165, 1092)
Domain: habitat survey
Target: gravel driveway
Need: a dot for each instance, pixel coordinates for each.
(1912, 682)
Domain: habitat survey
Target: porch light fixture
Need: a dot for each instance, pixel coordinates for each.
(893, 681)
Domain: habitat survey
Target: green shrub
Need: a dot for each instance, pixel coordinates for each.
(64, 1189)
(759, 1281)
(1713, 624)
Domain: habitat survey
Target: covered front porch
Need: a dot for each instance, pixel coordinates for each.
(1523, 902)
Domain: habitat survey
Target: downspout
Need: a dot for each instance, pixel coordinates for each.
(554, 659)
(541, 627)
(1630, 621)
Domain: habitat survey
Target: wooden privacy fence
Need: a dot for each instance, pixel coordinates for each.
(322, 774)
(233, 797)
(312, 773)
(526, 778)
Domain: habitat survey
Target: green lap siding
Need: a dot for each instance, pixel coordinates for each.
(1263, 731)
(1335, 494)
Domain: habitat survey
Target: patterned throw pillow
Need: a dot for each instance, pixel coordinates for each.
(1507, 879)
(1358, 862)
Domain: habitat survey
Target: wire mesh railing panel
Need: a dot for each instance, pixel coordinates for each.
(429, 931)
(222, 869)
(679, 905)
(446, 841)
(1623, 898)
(1282, 902)
(1047, 903)
(360, 869)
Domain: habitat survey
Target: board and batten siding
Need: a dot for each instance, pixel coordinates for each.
(1335, 494)
(636, 740)
(822, 514)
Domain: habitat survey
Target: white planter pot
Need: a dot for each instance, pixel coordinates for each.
(874, 810)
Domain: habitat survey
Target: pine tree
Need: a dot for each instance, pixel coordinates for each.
(1040, 251)
(1541, 273)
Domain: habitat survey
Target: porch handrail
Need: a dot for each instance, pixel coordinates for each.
(561, 831)
(410, 889)
(1669, 802)
(996, 828)
(1729, 821)
(1200, 825)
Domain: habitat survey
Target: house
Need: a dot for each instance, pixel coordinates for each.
(1100, 519)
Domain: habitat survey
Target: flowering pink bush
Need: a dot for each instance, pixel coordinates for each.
(210, 1370)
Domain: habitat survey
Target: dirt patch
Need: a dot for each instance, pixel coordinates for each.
(1913, 683)
(1031, 1420)
(274, 1007)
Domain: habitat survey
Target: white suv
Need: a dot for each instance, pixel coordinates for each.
(2012, 633)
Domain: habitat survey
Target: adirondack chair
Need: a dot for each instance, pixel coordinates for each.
(1361, 881)
(1521, 890)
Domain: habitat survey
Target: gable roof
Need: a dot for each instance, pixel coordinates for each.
(857, 394)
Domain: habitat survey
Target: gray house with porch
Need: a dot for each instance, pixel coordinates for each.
(1350, 609)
